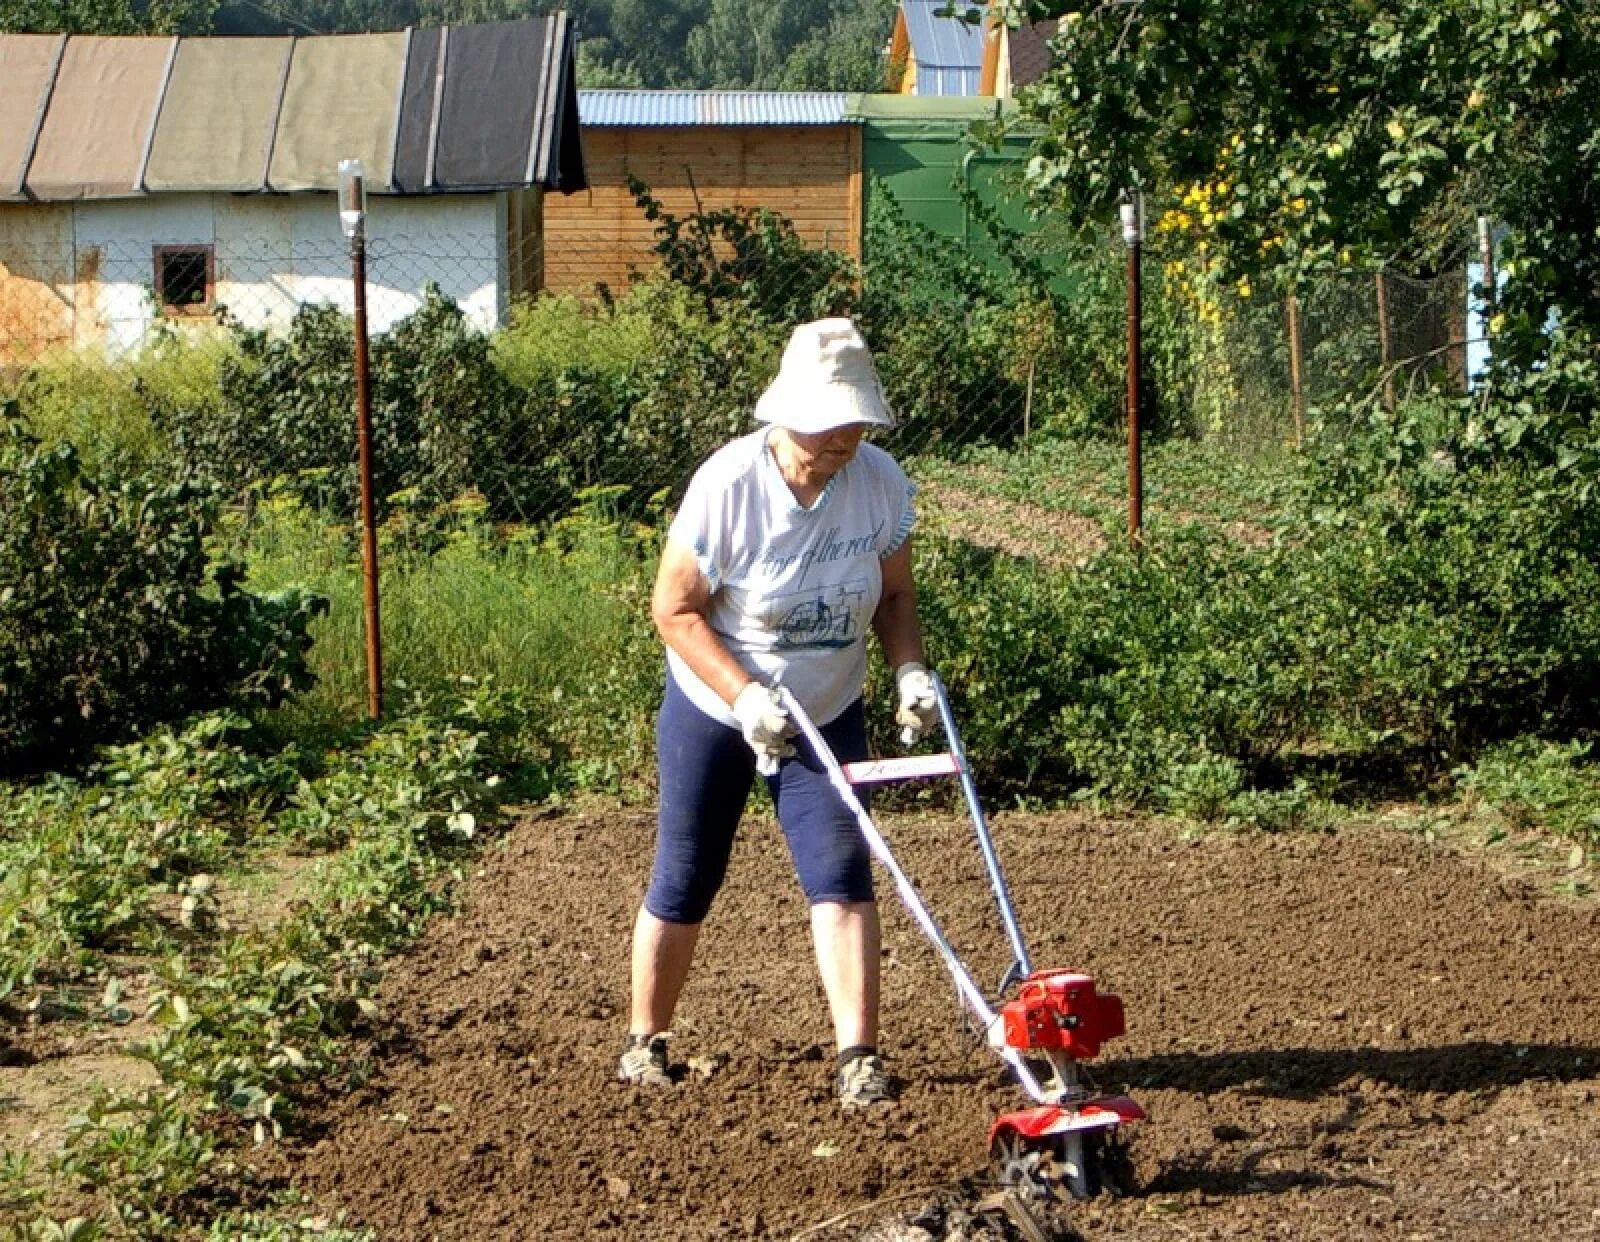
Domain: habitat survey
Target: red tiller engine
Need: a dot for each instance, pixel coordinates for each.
(1061, 1009)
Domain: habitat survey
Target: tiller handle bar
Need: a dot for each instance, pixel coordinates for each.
(843, 779)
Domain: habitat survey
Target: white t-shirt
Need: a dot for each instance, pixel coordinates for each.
(793, 590)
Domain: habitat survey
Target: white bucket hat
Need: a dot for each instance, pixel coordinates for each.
(826, 380)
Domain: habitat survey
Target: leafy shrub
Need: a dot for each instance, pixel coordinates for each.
(682, 381)
(961, 340)
(1424, 599)
(1451, 545)
(749, 257)
(114, 614)
(1533, 782)
(441, 412)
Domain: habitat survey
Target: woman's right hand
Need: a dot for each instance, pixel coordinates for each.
(765, 725)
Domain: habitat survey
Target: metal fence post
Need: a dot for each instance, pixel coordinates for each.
(1486, 257)
(1385, 346)
(1297, 390)
(1132, 238)
(353, 218)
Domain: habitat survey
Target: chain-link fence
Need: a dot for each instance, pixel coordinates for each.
(233, 360)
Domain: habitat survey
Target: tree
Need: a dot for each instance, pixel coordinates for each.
(107, 17)
(845, 55)
(1327, 130)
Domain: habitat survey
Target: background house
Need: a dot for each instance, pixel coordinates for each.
(151, 178)
(821, 160)
(795, 153)
(1014, 58)
(932, 55)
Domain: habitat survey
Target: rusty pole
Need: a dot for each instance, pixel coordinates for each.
(1297, 389)
(1385, 348)
(1132, 237)
(352, 212)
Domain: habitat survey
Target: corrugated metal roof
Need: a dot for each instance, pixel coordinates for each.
(948, 51)
(625, 109)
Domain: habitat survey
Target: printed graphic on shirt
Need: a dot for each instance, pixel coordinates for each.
(819, 617)
(830, 547)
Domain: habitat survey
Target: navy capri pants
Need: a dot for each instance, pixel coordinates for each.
(707, 770)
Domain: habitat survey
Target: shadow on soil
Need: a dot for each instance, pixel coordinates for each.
(1246, 1178)
(1306, 1072)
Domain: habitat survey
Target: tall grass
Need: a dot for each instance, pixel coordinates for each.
(557, 616)
(109, 406)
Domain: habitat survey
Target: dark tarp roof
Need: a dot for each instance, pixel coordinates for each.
(457, 78)
(457, 109)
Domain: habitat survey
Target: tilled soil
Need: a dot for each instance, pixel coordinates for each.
(1345, 1036)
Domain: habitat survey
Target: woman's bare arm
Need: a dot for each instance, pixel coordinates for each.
(678, 608)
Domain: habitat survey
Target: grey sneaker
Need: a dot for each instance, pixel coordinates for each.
(644, 1061)
(864, 1082)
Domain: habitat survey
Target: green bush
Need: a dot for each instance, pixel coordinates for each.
(113, 612)
(674, 381)
(1532, 782)
(751, 258)
(1424, 598)
(441, 412)
(960, 339)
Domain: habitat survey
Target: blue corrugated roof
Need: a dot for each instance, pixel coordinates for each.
(652, 108)
(948, 51)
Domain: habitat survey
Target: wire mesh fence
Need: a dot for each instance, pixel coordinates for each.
(233, 359)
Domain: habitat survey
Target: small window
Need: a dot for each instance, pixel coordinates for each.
(184, 279)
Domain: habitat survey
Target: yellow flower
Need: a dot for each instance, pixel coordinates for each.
(1297, 205)
(1242, 288)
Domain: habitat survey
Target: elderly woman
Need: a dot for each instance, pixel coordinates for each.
(790, 542)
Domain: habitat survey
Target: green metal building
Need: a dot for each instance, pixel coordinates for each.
(918, 149)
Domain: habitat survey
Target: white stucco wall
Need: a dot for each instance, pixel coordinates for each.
(272, 254)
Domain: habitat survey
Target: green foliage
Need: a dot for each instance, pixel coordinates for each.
(1535, 783)
(115, 614)
(559, 616)
(110, 408)
(142, 1154)
(1031, 338)
(246, 1021)
(664, 376)
(86, 861)
(801, 45)
(751, 258)
(1428, 594)
(440, 411)
(107, 17)
(1383, 135)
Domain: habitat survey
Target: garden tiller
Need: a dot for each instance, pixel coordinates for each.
(1068, 1143)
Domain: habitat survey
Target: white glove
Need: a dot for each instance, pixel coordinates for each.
(765, 724)
(918, 707)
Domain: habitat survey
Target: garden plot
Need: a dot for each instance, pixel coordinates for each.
(1348, 1035)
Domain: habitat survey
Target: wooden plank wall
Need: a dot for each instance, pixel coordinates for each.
(811, 174)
